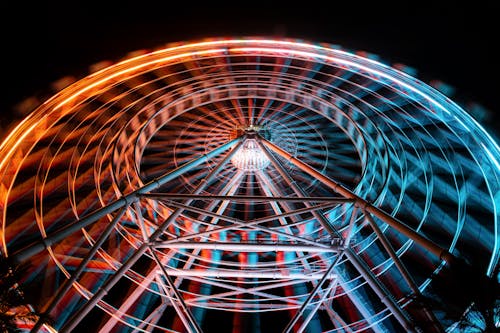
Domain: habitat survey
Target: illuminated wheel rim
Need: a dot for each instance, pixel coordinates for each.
(386, 137)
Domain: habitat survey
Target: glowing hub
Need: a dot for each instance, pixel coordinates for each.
(250, 157)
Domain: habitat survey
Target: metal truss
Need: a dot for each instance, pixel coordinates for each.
(276, 185)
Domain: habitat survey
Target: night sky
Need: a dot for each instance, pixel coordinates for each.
(449, 42)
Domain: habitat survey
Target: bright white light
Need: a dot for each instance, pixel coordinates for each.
(250, 157)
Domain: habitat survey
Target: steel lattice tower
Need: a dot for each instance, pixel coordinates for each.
(262, 185)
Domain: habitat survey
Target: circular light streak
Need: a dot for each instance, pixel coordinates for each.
(390, 139)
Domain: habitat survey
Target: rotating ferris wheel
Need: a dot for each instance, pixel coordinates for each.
(249, 184)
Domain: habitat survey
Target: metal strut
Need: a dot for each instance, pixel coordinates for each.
(309, 299)
(379, 213)
(103, 290)
(375, 284)
(85, 221)
(76, 274)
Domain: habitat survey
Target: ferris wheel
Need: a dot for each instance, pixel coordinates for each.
(250, 184)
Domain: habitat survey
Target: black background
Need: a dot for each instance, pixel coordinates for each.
(452, 42)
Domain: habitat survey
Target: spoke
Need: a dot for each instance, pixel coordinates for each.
(138, 210)
(119, 203)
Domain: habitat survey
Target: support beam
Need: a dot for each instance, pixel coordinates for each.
(234, 290)
(243, 198)
(147, 325)
(254, 222)
(380, 290)
(105, 287)
(291, 274)
(312, 294)
(379, 213)
(326, 292)
(388, 248)
(172, 301)
(131, 298)
(69, 229)
(239, 224)
(247, 247)
(63, 289)
(185, 313)
(404, 272)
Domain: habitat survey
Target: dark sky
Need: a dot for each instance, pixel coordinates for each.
(448, 41)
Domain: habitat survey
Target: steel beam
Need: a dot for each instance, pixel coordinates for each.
(402, 269)
(247, 247)
(63, 289)
(67, 230)
(322, 220)
(103, 290)
(380, 290)
(259, 274)
(312, 294)
(326, 292)
(132, 297)
(243, 198)
(242, 224)
(185, 313)
(365, 205)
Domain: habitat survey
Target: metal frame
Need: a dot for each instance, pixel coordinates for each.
(177, 301)
(207, 236)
